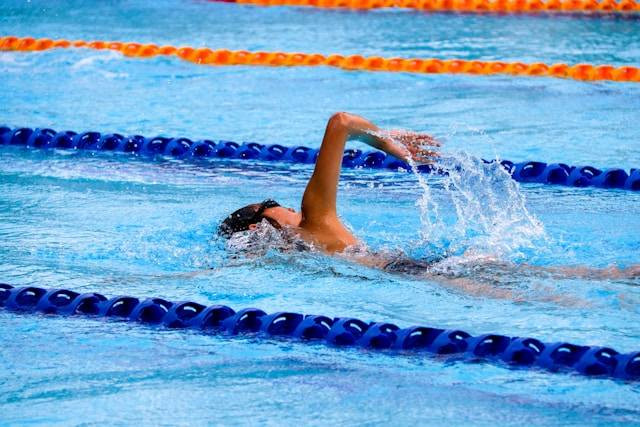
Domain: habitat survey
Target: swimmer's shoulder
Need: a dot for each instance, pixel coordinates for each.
(331, 236)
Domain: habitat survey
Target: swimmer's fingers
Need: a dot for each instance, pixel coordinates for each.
(418, 147)
(425, 139)
(408, 138)
(420, 139)
(424, 143)
(422, 155)
(421, 147)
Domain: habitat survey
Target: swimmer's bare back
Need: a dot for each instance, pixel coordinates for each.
(320, 223)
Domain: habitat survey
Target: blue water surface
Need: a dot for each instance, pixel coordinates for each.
(121, 225)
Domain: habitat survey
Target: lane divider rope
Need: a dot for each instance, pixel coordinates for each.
(225, 57)
(592, 7)
(338, 332)
(189, 150)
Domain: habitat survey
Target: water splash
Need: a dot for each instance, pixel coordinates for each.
(489, 218)
(265, 238)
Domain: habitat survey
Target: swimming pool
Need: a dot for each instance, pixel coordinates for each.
(120, 225)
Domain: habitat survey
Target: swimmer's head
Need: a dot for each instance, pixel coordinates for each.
(248, 217)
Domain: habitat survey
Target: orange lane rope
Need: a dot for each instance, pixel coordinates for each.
(479, 6)
(221, 57)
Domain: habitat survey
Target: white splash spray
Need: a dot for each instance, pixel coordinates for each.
(489, 217)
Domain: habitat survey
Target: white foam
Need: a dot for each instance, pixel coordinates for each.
(490, 218)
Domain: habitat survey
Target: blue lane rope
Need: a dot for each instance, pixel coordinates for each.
(339, 332)
(184, 148)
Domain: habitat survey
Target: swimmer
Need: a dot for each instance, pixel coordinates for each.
(318, 225)
(317, 222)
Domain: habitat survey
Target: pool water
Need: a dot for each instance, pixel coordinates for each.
(117, 224)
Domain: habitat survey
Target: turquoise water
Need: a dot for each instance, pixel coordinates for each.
(121, 225)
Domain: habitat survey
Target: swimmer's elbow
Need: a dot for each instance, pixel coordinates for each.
(350, 125)
(340, 120)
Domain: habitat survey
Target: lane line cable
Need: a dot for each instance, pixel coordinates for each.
(189, 150)
(225, 57)
(342, 332)
(587, 7)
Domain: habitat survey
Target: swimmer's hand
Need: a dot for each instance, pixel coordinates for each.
(405, 145)
(408, 145)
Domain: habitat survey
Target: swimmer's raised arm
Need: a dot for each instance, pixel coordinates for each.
(403, 144)
(319, 219)
(319, 198)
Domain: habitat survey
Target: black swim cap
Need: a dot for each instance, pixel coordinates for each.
(241, 219)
